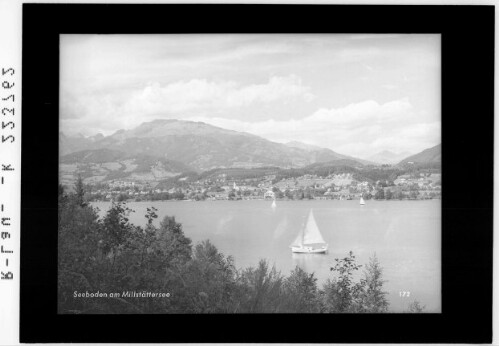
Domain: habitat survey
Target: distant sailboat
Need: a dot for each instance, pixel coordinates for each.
(273, 204)
(309, 240)
(362, 201)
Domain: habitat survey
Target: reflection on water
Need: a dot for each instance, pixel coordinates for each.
(281, 227)
(310, 262)
(405, 235)
(223, 225)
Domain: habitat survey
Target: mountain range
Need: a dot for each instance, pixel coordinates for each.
(430, 155)
(202, 147)
(388, 157)
(163, 148)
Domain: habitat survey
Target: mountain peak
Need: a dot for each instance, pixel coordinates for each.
(304, 146)
(430, 155)
(160, 121)
(173, 127)
(387, 157)
(204, 146)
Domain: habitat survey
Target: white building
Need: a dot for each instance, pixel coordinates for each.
(269, 194)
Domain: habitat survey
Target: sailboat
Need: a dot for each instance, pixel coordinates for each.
(362, 202)
(309, 240)
(273, 204)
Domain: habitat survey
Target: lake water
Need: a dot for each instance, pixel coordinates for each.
(405, 235)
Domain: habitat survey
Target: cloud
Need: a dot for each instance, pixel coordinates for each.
(230, 53)
(357, 114)
(412, 138)
(373, 36)
(367, 117)
(204, 95)
(262, 84)
(389, 86)
(181, 98)
(358, 129)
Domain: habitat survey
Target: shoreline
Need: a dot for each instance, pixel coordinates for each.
(264, 200)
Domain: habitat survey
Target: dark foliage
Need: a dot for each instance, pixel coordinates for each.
(111, 255)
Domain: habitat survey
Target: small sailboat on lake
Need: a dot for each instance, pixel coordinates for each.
(309, 240)
(362, 202)
(273, 204)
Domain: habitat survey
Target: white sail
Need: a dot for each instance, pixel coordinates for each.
(273, 204)
(299, 240)
(362, 201)
(312, 235)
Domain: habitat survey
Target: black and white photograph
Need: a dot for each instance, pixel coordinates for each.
(249, 173)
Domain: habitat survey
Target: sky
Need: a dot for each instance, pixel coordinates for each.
(356, 94)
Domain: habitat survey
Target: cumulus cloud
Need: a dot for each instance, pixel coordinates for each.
(205, 95)
(179, 99)
(365, 117)
(261, 84)
(359, 113)
(422, 135)
(358, 129)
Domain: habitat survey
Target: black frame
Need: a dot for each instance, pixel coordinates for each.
(467, 138)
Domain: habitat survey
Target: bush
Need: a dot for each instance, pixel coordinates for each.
(112, 255)
(341, 294)
(415, 307)
(300, 292)
(260, 289)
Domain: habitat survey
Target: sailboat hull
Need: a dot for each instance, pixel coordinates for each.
(308, 249)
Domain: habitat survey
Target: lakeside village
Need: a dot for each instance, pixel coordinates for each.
(341, 186)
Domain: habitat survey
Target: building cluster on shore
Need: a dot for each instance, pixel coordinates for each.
(335, 186)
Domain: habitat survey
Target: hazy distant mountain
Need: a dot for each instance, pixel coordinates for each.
(71, 144)
(319, 154)
(202, 146)
(388, 157)
(332, 164)
(431, 155)
(96, 138)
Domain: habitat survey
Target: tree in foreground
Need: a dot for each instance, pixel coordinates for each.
(260, 289)
(343, 294)
(110, 254)
(301, 293)
(372, 297)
